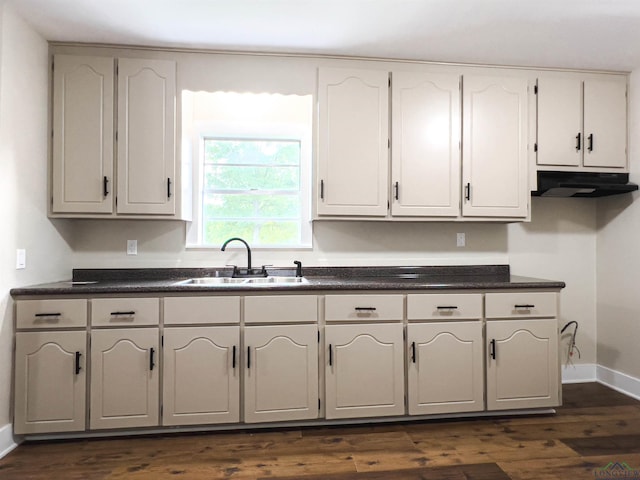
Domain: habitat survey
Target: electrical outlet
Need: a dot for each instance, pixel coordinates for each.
(132, 247)
(461, 240)
(21, 259)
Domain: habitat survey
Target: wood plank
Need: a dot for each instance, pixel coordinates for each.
(610, 445)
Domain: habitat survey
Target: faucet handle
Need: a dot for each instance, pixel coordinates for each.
(298, 268)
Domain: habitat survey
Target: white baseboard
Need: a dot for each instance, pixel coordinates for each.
(619, 381)
(579, 373)
(7, 442)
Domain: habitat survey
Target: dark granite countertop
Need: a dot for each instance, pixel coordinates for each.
(169, 280)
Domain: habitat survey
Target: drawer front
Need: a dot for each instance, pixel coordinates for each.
(281, 309)
(363, 307)
(212, 310)
(118, 312)
(51, 313)
(520, 304)
(444, 306)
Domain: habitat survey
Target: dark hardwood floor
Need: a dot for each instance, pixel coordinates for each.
(597, 427)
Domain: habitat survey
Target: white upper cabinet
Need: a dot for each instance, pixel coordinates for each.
(82, 134)
(495, 150)
(582, 122)
(146, 136)
(425, 172)
(353, 142)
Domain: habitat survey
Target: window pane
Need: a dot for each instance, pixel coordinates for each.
(279, 233)
(219, 177)
(255, 152)
(217, 232)
(252, 206)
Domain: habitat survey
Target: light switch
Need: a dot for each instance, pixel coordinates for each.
(21, 259)
(461, 241)
(132, 247)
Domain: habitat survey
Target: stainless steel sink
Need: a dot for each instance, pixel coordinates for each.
(257, 281)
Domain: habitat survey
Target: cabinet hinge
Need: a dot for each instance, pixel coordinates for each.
(535, 89)
(535, 147)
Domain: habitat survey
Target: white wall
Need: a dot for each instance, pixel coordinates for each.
(618, 265)
(23, 180)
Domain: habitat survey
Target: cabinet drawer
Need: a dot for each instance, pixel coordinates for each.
(112, 312)
(444, 306)
(186, 310)
(281, 308)
(520, 304)
(51, 313)
(363, 307)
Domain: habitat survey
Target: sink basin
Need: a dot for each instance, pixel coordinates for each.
(257, 281)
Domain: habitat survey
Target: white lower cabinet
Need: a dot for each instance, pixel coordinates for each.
(445, 370)
(50, 382)
(201, 380)
(281, 373)
(522, 364)
(364, 370)
(124, 378)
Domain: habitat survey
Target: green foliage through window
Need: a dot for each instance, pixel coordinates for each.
(252, 189)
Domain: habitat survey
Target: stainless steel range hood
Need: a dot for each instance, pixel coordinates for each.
(582, 184)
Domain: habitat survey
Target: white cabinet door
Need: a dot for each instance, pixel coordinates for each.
(146, 136)
(353, 151)
(50, 382)
(364, 371)
(445, 373)
(281, 373)
(82, 134)
(494, 159)
(124, 378)
(560, 139)
(201, 380)
(522, 364)
(605, 122)
(425, 144)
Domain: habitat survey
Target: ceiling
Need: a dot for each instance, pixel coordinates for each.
(593, 34)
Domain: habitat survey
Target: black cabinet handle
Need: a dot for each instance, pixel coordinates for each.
(397, 191)
(365, 309)
(413, 352)
(56, 314)
(105, 186)
(524, 306)
(321, 189)
(578, 144)
(248, 357)
(78, 355)
(467, 192)
(152, 363)
(330, 356)
(492, 349)
(447, 307)
(128, 313)
(233, 357)
(590, 138)
(168, 188)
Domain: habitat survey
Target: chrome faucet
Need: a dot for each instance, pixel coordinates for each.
(249, 272)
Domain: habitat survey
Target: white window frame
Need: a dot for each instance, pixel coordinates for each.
(200, 132)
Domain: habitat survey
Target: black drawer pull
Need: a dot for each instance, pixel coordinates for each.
(492, 349)
(105, 186)
(590, 138)
(397, 191)
(248, 357)
(115, 314)
(233, 357)
(56, 314)
(168, 188)
(330, 356)
(78, 355)
(413, 352)
(365, 309)
(524, 306)
(321, 189)
(578, 146)
(152, 363)
(447, 307)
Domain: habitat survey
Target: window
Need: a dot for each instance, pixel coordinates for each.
(252, 190)
(251, 158)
